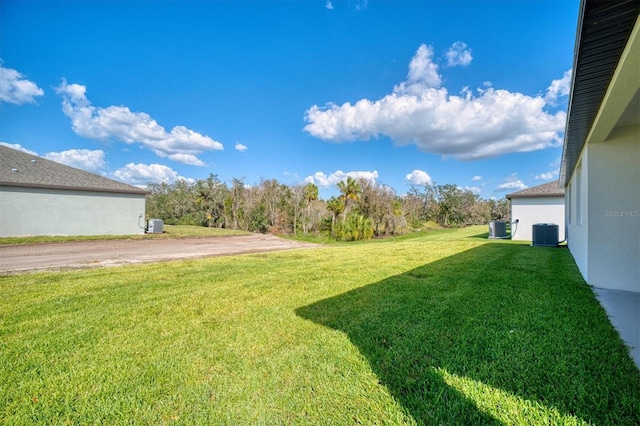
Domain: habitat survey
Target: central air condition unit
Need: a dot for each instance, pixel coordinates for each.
(497, 229)
(545, 234)
(154, 226)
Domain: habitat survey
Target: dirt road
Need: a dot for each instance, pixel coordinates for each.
(86, 254)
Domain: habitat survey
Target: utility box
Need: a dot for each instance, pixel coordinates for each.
(155, 226)
(497, 229)
(545, 234)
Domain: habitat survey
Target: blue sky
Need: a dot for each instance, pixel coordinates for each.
(468, 93)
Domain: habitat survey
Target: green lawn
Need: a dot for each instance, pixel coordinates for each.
(446, 328)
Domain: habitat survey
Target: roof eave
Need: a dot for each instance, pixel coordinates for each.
(74, 188)
(557, 195)
(601, 25)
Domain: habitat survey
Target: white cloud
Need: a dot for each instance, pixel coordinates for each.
(558, 88)
(512, 183)
(325, 181)
(476, 178)
(328, 5)
(117, 122)
(143, 174)
(459, 54)
(240, 147)
(18, 147)
(544, 176)
(419, 112)
(548, 175)
(84, 159)
(15, 89)
(418, 177)
(423, 73)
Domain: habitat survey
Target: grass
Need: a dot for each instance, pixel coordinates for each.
(170, 231)
(444, 328)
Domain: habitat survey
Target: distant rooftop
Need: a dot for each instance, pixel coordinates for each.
(19, 169)
(551, 189)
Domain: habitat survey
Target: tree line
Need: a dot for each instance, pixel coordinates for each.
(364, 209)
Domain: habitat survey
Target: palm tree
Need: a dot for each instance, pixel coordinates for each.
(335, 206)
(310, 195)
(351, 191)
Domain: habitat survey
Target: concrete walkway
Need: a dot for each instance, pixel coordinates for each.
(623, 309)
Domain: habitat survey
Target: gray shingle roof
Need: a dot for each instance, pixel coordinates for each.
(551, 189)
(20, 169)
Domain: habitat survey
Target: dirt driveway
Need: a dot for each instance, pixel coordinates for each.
(86, 254)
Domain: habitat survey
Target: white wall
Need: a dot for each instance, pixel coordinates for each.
(32, 211)
(606, 246)
(530, 211)
(578, 215)
(614, 211)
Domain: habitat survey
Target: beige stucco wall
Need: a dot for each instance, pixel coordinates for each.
(530, 211)
(31, 211)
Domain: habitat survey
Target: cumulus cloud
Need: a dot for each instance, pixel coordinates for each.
(143, 174)
(15, 89)
(459, 54)
(240, 147)
(84, 159)
(18, 147)
(328, 5)
(558, 88)
(548, 175)
(118, 122)
(512, 183)
(418, 177)
(476, 178)
(325, 181)
(544, 176)
(423, 73)
(467, 127)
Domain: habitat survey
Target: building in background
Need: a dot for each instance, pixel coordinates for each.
(539, 204)
(42, 197)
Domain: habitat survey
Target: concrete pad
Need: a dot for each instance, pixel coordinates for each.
(623, 309)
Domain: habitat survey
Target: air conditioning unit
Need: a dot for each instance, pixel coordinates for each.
(497, 229)
(545, 234)
(155, 226)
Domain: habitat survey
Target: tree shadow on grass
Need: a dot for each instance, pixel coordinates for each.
(503, 319)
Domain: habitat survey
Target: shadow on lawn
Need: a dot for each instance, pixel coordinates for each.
(512, 318)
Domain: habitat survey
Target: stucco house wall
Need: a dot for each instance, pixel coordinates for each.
(606, 241)
(539, 204)
(37, 211)
(530, 211)
(577, 216)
